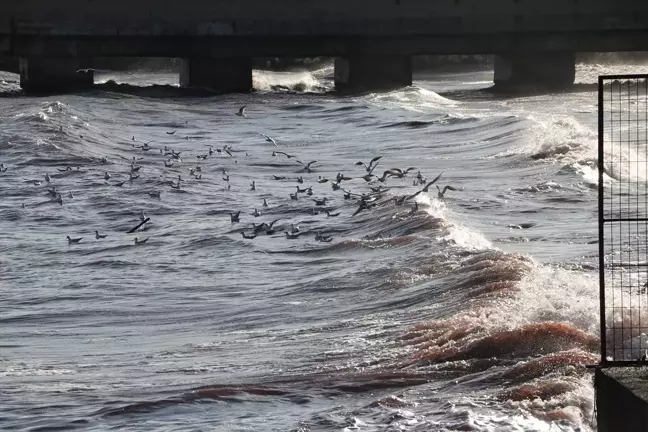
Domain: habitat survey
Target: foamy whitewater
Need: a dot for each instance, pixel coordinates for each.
(475, 312)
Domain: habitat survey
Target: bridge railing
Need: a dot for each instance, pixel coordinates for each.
(623, 217)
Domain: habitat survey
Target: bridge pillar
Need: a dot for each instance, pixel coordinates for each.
(53, 74)
(372, 72)
(553, 70)
(230, 75)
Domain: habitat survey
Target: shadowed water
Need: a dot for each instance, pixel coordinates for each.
(475, 312)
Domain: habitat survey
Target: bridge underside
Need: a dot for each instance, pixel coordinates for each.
(363, 62)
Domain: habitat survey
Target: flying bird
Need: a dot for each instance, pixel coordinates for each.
(371, 166)
(426, 188)
(441, 193)
(307, 166)
(277, 152)
(142, 223)
(270, 140)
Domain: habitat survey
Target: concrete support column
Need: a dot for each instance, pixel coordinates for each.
(372, 72)
(553, 70)
(53, 74)
(231, 75)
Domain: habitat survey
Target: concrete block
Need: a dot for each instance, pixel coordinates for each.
(545, 69)
(224, 75)
(622, 399)
(359, 73)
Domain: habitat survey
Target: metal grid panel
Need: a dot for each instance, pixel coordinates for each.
(623, 217)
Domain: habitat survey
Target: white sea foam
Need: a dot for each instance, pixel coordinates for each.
(458, 234)
(292, 81)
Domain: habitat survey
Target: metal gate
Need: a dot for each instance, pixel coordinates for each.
(623, 218)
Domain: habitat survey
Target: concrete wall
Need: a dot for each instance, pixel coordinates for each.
(622, 399)
(316, 17)
(222, 28)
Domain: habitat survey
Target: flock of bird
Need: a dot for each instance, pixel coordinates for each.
(365, 201)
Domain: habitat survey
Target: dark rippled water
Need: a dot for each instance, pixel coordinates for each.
(476, 312)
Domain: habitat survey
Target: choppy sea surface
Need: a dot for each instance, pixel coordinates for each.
(476, 311)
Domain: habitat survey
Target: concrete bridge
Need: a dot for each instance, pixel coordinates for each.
(372, 40)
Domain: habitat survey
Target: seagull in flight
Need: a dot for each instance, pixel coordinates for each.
(369, 167)
(307, 166)
(441, 193)
(426, 188)
(399, 173)
(269, 230)
(276, 152)
(270, 140)
(363, 206)
(241, 111)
